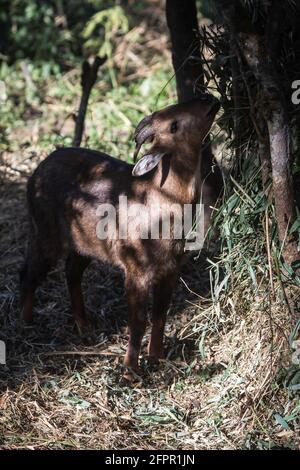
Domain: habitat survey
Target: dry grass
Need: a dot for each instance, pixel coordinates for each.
(219, 387)
(223, 382)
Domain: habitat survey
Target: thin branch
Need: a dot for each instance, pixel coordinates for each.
(88, 79)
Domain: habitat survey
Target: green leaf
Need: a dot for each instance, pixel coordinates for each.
(280, 420)
(295, 226)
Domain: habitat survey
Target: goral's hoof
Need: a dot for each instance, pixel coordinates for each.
(132, 376)
(87, 334)
(153, 362)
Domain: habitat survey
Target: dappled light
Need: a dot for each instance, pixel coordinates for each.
(178, 102)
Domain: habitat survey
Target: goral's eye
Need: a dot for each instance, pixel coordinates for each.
(174, 127)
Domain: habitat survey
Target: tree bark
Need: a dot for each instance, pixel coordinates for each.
(279, 137)
(236, 98)
(184, 30)
(183, 26)
(265, 162)
(261, 45)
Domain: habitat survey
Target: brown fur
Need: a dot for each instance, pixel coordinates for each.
(65, 191)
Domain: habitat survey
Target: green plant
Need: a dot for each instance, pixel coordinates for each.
(109, 24)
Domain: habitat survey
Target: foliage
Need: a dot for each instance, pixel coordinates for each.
(113, 22)
(226, 381)
(49, 30)
(32, 85)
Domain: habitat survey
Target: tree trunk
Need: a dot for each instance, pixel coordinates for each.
(236, 98)
(265, 162)
(183, 25)
(282, 183)
(279, 136)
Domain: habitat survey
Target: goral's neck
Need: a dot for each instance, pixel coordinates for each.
(178, 178)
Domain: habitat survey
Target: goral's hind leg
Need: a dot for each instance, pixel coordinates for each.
(34, 271)
(75, 267)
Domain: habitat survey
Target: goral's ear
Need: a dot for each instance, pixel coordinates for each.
(147, 163)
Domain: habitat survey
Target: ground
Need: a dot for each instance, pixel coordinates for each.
(223, 382)
(212, 391)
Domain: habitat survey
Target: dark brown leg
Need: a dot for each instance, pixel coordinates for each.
(137, 299)
(32, 274)
(75, 267)
(27, 307)
(161, 300)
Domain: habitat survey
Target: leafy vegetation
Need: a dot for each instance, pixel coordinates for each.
(227, 381)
